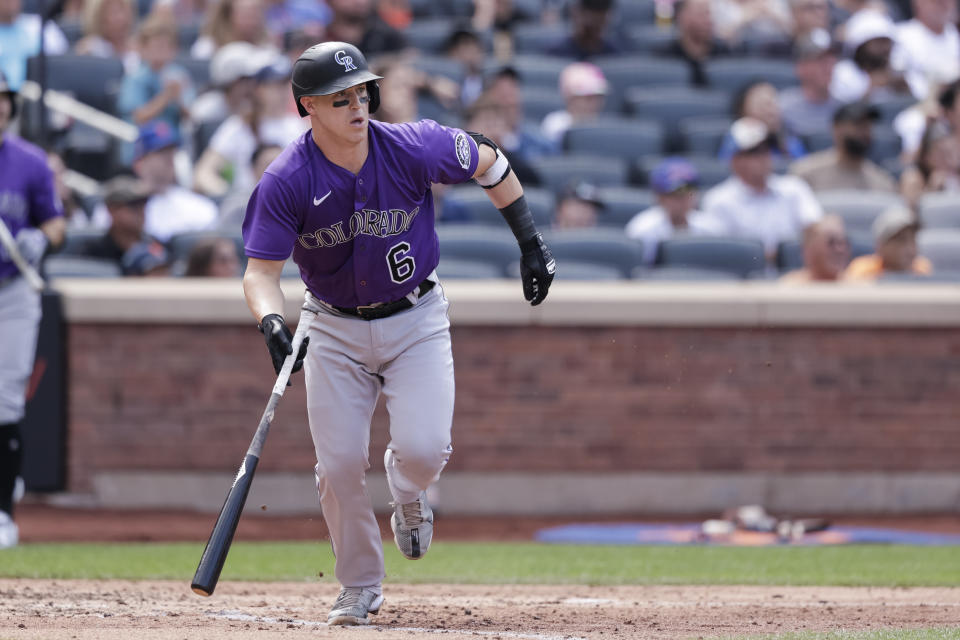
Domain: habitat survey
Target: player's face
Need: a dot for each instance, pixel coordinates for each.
(343, 115)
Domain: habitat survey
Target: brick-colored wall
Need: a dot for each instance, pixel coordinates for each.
(545, 398)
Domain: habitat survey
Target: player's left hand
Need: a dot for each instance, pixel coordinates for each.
(537, 267)
(31, 243)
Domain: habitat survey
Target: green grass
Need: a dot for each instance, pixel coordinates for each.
(941, 633)
(501, 563)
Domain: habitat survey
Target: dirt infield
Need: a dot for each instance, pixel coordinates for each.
(115, 610)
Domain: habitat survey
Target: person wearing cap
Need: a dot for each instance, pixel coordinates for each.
(226, 165)
(872, 70)
(584, 90)
(588, 38)
(20, 41)
(936, 167)
(758, 100)
(895, 242)
(31, 212)
(808, 108)
(695, 42)
(754, 202)
(675, 182)
(579, 207)
(929, 45)
(523, 140)
(146, 259)
(159, 89)
(826, 252)
(171, 209)
(846, 165)
(233, 71)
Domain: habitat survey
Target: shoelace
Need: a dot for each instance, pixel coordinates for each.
(412, 513)
(348, 598)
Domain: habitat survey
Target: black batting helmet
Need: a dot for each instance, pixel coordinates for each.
(10, 93)
(330, 67)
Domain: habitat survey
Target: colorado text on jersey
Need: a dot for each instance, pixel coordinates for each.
(368, 222)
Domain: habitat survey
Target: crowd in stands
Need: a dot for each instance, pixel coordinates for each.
(681, 139)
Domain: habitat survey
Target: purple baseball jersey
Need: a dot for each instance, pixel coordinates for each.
(364, 238)
(27, 197)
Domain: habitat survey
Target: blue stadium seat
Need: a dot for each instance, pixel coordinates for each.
(670, 105)
(492, 246)
(558, 172)
(428, 34)
(648, 38)
(858, 208)
(712, 170)
(694, 274)
(534, 37)
(941, 247)
(886, 143)
(634, 12)
(59, 266)
(733, 73)
(438, 65)
(180, 245)
(576, 270)
(626, 71)
(536, 70)
(622, 203)
(73, 73)
(623, 137)
(598, 246)
(940, 210)
(75, 241)
(891, 106)
(290, 270)
(539, 101)
(187, 34)
(703, 134)
(739, 256)
(199, 70)
(475, 202)
(456, 269)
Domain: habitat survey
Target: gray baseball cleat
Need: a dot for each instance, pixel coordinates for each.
(412, 525)
(352, 606)
(9, 533)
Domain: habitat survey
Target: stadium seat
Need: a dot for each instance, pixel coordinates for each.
(180, 245)
(475, 202)
(59, 266)
(536, 70)
(187, 34)
(438, 65)
(626, 71)
(199, 70)
(670, 273)
(670, 105)
(623, 137)
(940, 210)
(72, 30)
(634, 12)
(733, 73)
(539, 101)
(790, 252)
(428, 34)
(558, 172)
(712, 170)
(75, 241)
(858, 208)
(886, 143)
(576, 270)
(73, 73)
(739, 256)
(941, 247)
(491, 246)
(534, 37)
(456, 269)
(290, 270)
(703, 134)
(597, 246)
(891, 106)
(202, 134)
(622, 203)
(648, 38)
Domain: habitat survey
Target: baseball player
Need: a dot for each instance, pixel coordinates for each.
(351, 198)
(31, 211)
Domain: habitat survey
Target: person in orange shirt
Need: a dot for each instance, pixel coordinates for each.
(895, 236)
(826, 252)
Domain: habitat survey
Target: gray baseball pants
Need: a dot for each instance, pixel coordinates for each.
(19, 324)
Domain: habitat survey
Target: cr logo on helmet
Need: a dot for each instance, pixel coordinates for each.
(347, 61)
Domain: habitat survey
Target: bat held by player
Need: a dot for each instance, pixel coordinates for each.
(215, 554)
(10, 244)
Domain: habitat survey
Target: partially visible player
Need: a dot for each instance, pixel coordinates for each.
(30, 209)
(351, 198)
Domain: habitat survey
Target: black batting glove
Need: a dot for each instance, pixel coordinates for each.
(537, 267)
(279, 342)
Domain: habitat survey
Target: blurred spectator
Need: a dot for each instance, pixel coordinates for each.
(125, 198)
(809, 16)
(108, 32)
(928, 46)
(465, 46)
(486, 115)
(675, 182)
(284, 16)
(159, 89)
(401, 86)
(234, 206)
(498, 18)
(910, 124)
(758, 100)
(171, 209)
(895, 239)
(937, 167)
(584, 89)
(589, 22)
(868, 74)
(232, 21)
(233, 71)
(845, 165)
(146, 259)
(357, 22)
(755, 203)
(20, 40)
(579, 207)
(396, 13)
(213, 258)
(78, 216)
(226, 164)
(695, 42)
(826, 252)
(527, 142)
(755, 23)
(808, 108)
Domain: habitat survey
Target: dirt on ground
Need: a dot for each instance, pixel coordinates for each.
(119, 610)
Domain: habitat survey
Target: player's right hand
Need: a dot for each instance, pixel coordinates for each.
(32, 243)
(537, 267)
(280, 342)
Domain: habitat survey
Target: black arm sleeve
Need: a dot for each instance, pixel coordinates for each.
(518, 216)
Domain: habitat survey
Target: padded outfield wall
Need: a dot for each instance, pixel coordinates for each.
(609, 398)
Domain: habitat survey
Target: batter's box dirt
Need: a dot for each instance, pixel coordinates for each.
(121, 610)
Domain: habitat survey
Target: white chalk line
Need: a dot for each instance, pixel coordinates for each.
(239, 616)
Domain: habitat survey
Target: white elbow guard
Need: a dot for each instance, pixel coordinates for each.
(497, 172)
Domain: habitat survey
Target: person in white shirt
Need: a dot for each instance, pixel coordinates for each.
(874, 69)
(675, 182)
(20, 40)
(929, 45)
(755, 203)
(171, 209)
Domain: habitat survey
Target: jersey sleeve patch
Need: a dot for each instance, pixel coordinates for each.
(462, 146)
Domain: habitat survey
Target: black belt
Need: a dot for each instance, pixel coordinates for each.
(386, 309)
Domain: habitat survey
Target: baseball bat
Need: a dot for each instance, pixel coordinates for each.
(10, 244)
(215, 553)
